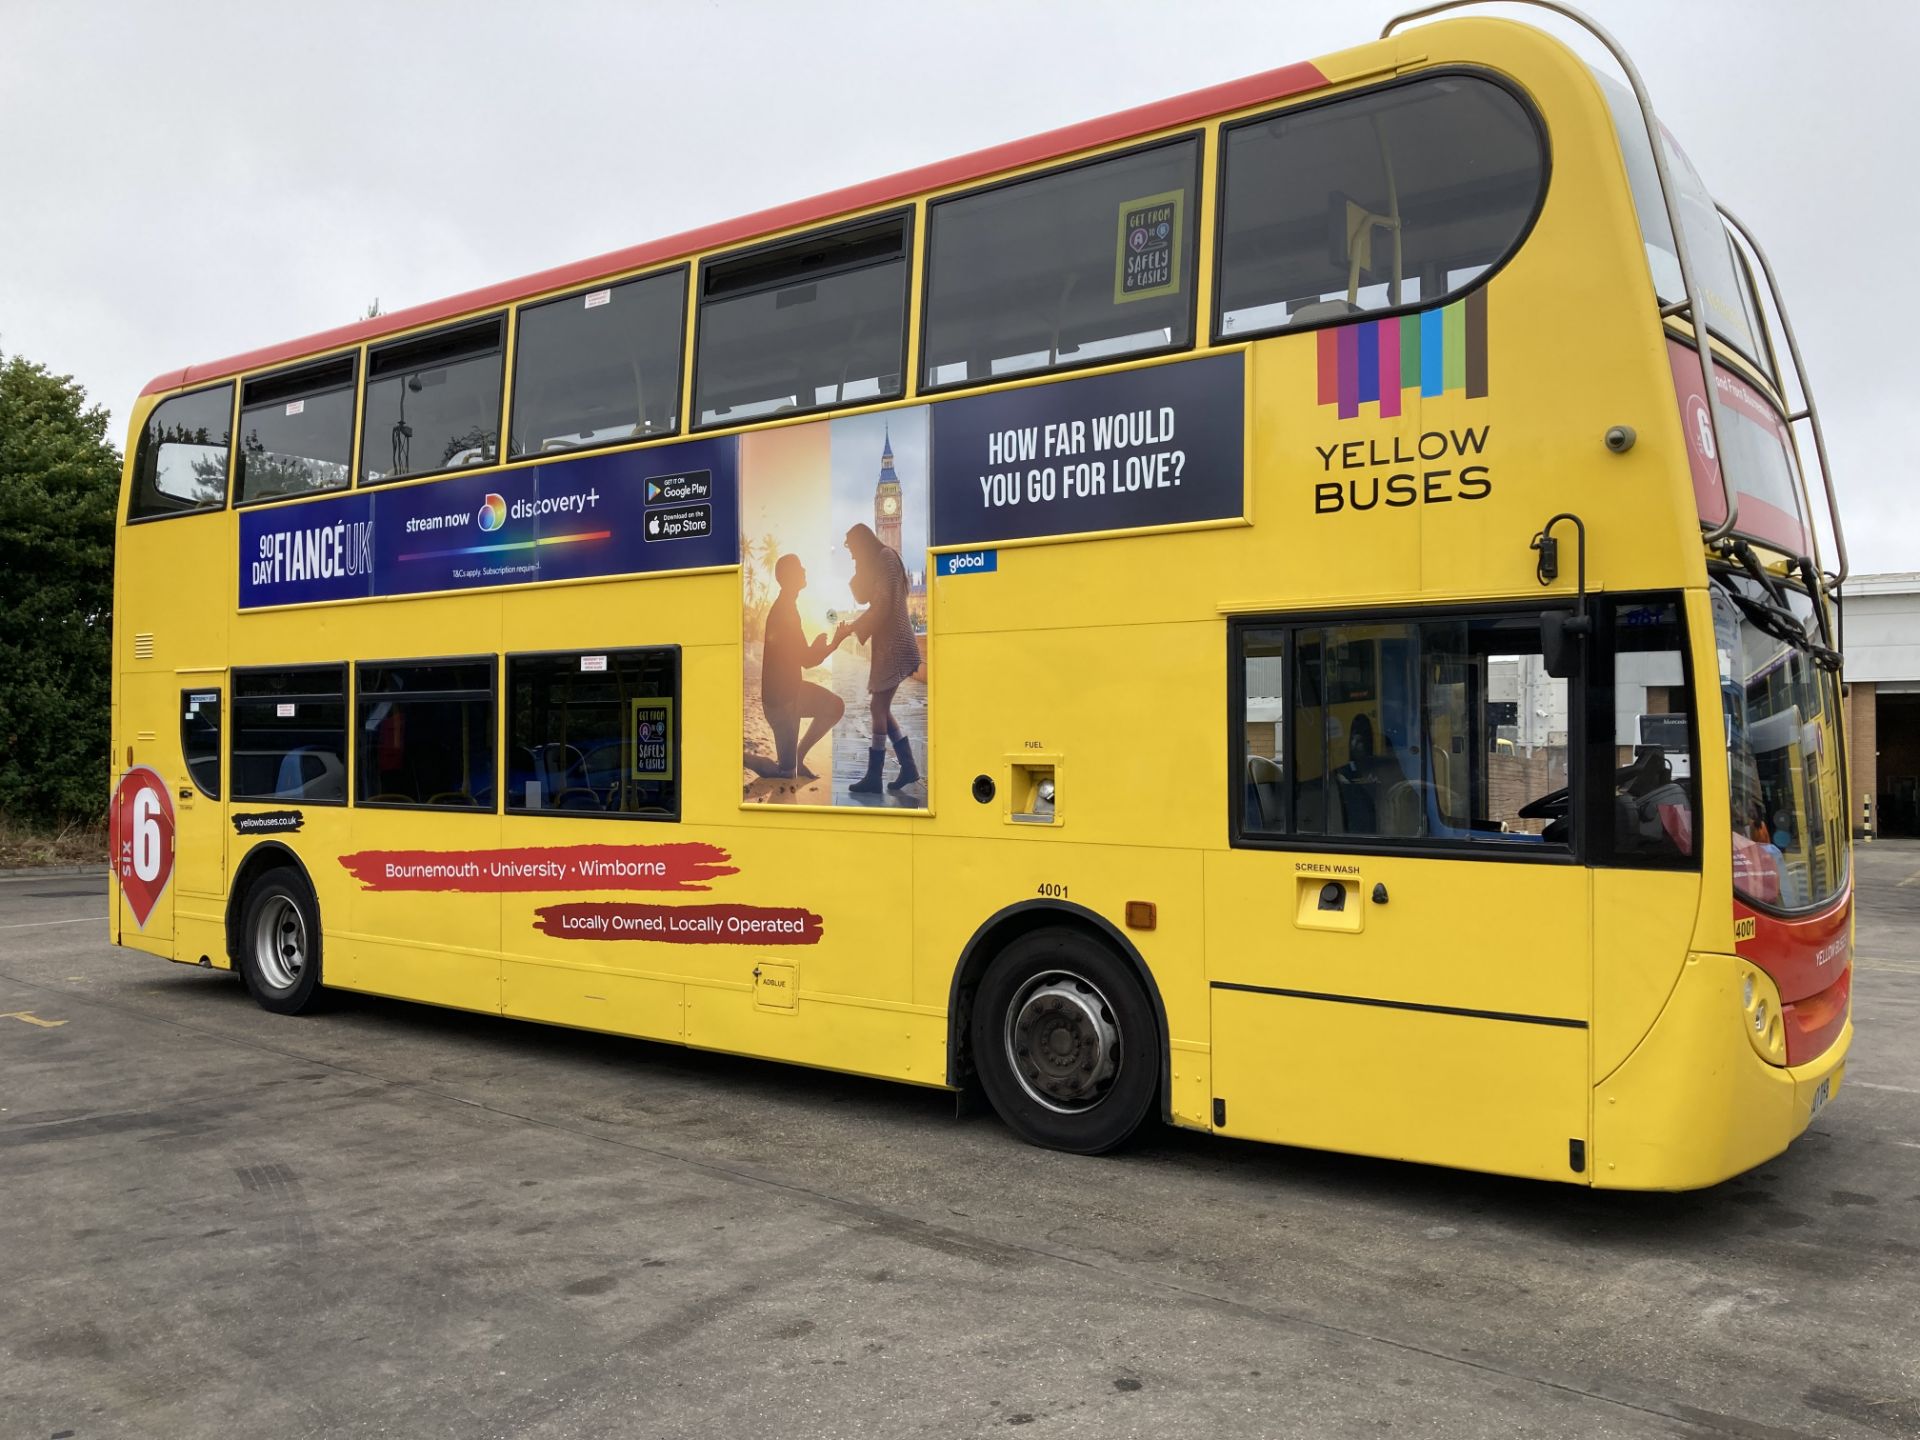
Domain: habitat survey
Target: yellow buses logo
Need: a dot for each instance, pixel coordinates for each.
(1434, 352)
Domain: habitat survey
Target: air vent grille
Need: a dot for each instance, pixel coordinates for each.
(143, 645)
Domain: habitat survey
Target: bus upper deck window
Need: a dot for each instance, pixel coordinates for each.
(804, 324)
(180, 463)
(296, 431)
(433, 402)
(1395, 197)
(1090, 262)
(599, 367)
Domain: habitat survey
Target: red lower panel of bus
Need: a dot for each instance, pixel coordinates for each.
(1816, 1022)
(1810, 959)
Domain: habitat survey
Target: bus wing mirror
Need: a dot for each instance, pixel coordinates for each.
(1560, 637)
(1561, 633)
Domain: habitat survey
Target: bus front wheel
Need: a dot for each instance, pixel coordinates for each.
(1065, 1042)
(279, 950)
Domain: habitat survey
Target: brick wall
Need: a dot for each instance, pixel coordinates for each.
(1863, 744)
(1514, 778)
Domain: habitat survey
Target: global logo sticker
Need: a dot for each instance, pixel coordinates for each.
(493, 513)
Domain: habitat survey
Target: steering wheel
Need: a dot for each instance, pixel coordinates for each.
(1648, 770)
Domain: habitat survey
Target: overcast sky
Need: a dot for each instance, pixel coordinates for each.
(187, 180)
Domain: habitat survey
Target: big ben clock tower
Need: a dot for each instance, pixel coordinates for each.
(886, 500)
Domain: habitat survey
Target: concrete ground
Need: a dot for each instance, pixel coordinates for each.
(392, 1220)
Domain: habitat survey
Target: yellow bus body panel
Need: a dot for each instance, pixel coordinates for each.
(1694, 1105)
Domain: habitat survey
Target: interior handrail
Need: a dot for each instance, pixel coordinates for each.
(1688, 304)
(1809, 411)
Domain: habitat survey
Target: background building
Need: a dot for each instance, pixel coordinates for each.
(1880, 633)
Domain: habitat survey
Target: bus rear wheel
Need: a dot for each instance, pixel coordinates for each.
(279, 949)
(1065, 1042)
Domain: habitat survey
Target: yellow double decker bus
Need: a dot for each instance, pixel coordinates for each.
(1231, 612)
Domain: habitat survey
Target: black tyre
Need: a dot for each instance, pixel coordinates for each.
(1065, 1042)
(279, 943)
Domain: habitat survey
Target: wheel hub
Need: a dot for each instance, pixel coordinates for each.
(280, 943)
(1063, 1042)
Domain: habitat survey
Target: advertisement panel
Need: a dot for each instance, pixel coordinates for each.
(1160, 446)
(834, 602)
(636, 512)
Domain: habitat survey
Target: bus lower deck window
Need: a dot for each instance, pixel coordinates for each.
(425, 734)
(594, 733)
(290, 734)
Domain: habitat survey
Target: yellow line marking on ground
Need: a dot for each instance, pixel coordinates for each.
(37, 924)
(32, 1019)
(1913, 879)
(1875, 1085)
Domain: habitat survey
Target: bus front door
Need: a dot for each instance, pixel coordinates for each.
(1399, 939)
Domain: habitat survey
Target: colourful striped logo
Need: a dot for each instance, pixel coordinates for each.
(1435, 352)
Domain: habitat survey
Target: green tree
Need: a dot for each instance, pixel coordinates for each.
(59, 486)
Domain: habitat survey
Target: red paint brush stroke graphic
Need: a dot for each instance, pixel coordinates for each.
(682, 924)
(688, 865)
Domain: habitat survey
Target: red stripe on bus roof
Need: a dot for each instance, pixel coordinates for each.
(1123, 125)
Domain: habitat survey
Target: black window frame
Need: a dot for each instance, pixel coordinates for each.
(504, 319)
(1542, 139)
(1579, 703)
(682, 398)
(232, 386)
(356, 729)
(1191, 243)
(677, 660)
(1237, 631)
(345, 696)
(907, 219)
(194, 776)
(356, 359)
(1603, 853)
